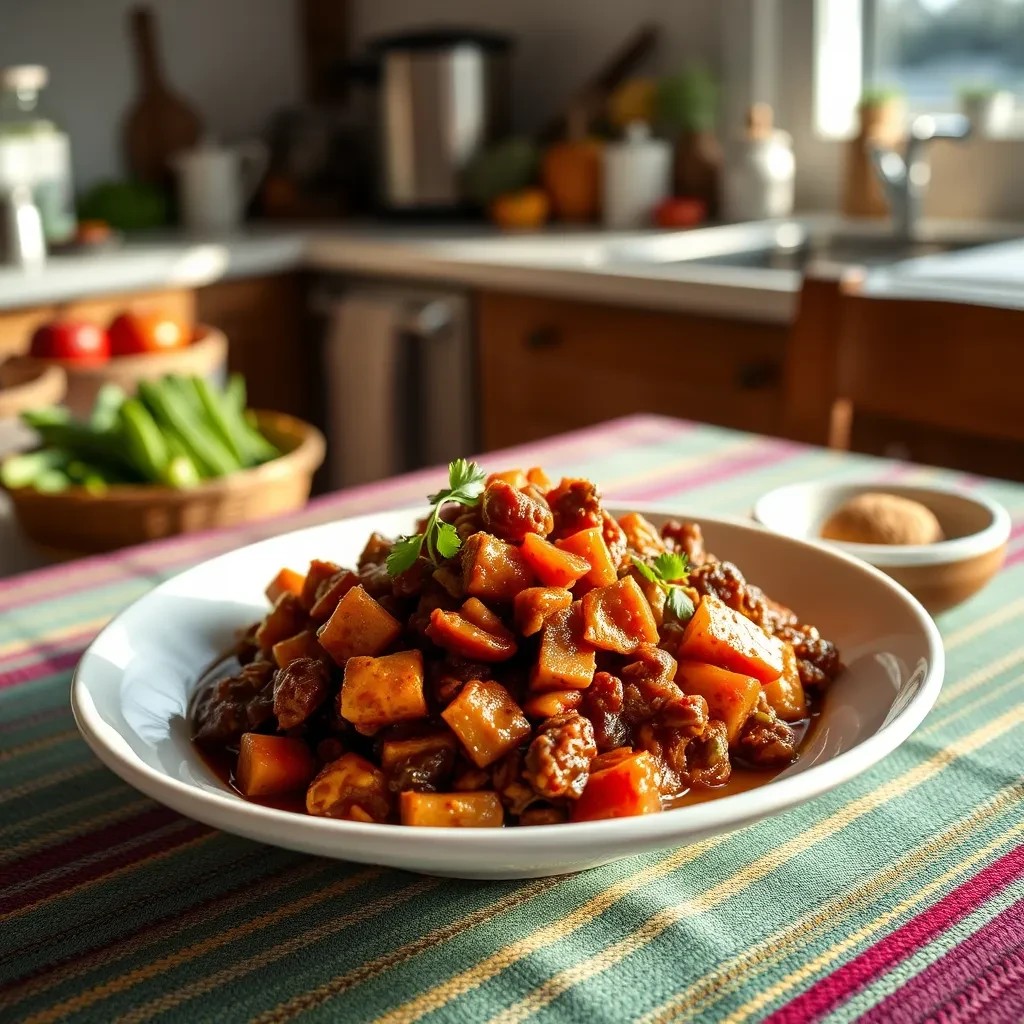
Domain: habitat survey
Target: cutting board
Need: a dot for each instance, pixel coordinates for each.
(159, 123)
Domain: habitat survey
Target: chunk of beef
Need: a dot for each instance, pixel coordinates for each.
(764, 740)
(685, 538)
(299, 689)
(707, 757)
(575, 505)
(603, 703)
(512, 514)
(232, 706)
(558, 760)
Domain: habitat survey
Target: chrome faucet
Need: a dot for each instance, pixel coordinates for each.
(905, 178)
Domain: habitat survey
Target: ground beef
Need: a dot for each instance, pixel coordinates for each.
(707, 757)
(669, 747)
(765, 740)
(512, 514)
(558, 760)
(299, 689)
(575, 505)
(603, 703)
(686, 538)
(817, 658)
(614, 537)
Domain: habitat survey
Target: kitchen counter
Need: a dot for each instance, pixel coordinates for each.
(589, 265)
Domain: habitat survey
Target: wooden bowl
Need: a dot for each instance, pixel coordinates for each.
(24, 386)
(206, 356)
(75, 522)
(940, 575)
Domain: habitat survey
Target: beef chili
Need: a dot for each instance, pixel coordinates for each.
(524, 659)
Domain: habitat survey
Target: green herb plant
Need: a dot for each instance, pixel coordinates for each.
(669, 572)
(439, 540)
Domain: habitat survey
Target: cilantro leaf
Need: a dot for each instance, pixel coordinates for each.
(439, 539)
(671, 566)
(404, 554)
(645, 570)
(448, 542)
(678, 602)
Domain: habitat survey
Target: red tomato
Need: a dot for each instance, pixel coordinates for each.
(680, 212)
(76, 340)
(132, 333)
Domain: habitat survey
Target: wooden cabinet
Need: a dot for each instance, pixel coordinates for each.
(548, 365)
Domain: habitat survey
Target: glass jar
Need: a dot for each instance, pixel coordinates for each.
(34, 151)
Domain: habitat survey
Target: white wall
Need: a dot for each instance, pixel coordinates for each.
(235, 62)
(559, 43)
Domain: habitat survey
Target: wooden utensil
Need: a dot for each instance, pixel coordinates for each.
(160, 123)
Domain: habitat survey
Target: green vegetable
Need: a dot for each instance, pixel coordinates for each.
(234, 391)
(146, 443)
(506, 166)
(172, 412)
(669, 572)
(465, 485)
(57, 430)
(687, 101)
(217, 411)
(105, 408)
(22, 470)
(51, 481)
(125, 205)
(182, 470)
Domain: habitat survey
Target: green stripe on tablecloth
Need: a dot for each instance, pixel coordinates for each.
(299, 948)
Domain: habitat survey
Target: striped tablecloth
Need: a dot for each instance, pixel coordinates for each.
(897, 897)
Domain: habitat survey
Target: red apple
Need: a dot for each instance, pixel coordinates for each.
(75, 340)
(132, 333)
(680, 212)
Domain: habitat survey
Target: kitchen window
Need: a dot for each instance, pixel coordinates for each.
(930, 51)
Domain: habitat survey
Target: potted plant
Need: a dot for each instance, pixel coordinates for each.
(989, 109)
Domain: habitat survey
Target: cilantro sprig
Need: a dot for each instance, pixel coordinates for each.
(669, 572)
(439, 539)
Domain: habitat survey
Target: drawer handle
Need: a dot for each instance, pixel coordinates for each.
(543, 337)
(756, 376)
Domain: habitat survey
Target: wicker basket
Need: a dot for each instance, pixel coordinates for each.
(74, 522)
(24, 386)
(206, 356)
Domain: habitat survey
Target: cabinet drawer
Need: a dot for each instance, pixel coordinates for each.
(548, 365)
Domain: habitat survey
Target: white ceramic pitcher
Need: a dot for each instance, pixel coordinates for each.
(215, 183)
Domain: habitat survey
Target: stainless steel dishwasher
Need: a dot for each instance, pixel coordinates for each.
(399, 379)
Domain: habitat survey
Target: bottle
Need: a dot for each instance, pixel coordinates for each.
(34, 151)
(22, 243)
(637, 177)
(760, 170)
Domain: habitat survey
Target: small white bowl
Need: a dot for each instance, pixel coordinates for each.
(939, 575)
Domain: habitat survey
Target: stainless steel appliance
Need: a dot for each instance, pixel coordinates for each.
(399, 376)
(443, 95)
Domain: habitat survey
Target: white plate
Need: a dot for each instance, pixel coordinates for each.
(131, 690)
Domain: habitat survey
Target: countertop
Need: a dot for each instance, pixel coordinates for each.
(580, 264)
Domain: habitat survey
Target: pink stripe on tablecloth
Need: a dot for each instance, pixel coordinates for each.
(996, 997)
(721, 469)
(940, 981)
(66, 579)
(825, 995)
(50, 665)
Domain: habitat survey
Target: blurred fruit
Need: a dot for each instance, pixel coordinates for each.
(508, 166)
(527, 208)
(92, 232)
(680, 212)
(85, 343)
(632, 101)
(571, 173)
(134, 333)
(126, 205)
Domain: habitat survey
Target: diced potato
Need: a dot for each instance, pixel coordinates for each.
(641, 534)
(271, 765)
(720, 636)
(480, 615)
(625, 789)
(395, 752)
(536, 477)
(553, 702)
(458, 635)
(358, 626)
(730, 696)
(302, 645)
(551, 565)
(515, 477)
(535, 605)
(287, 581)
(618, 617)
(284, 620)
(319, 572)
(350, 788)
(786, 694)
(330, 592)
(493, 569)
(566, 661)
(487, 721)
(452, 810)
(589, 544)
(381, 691)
